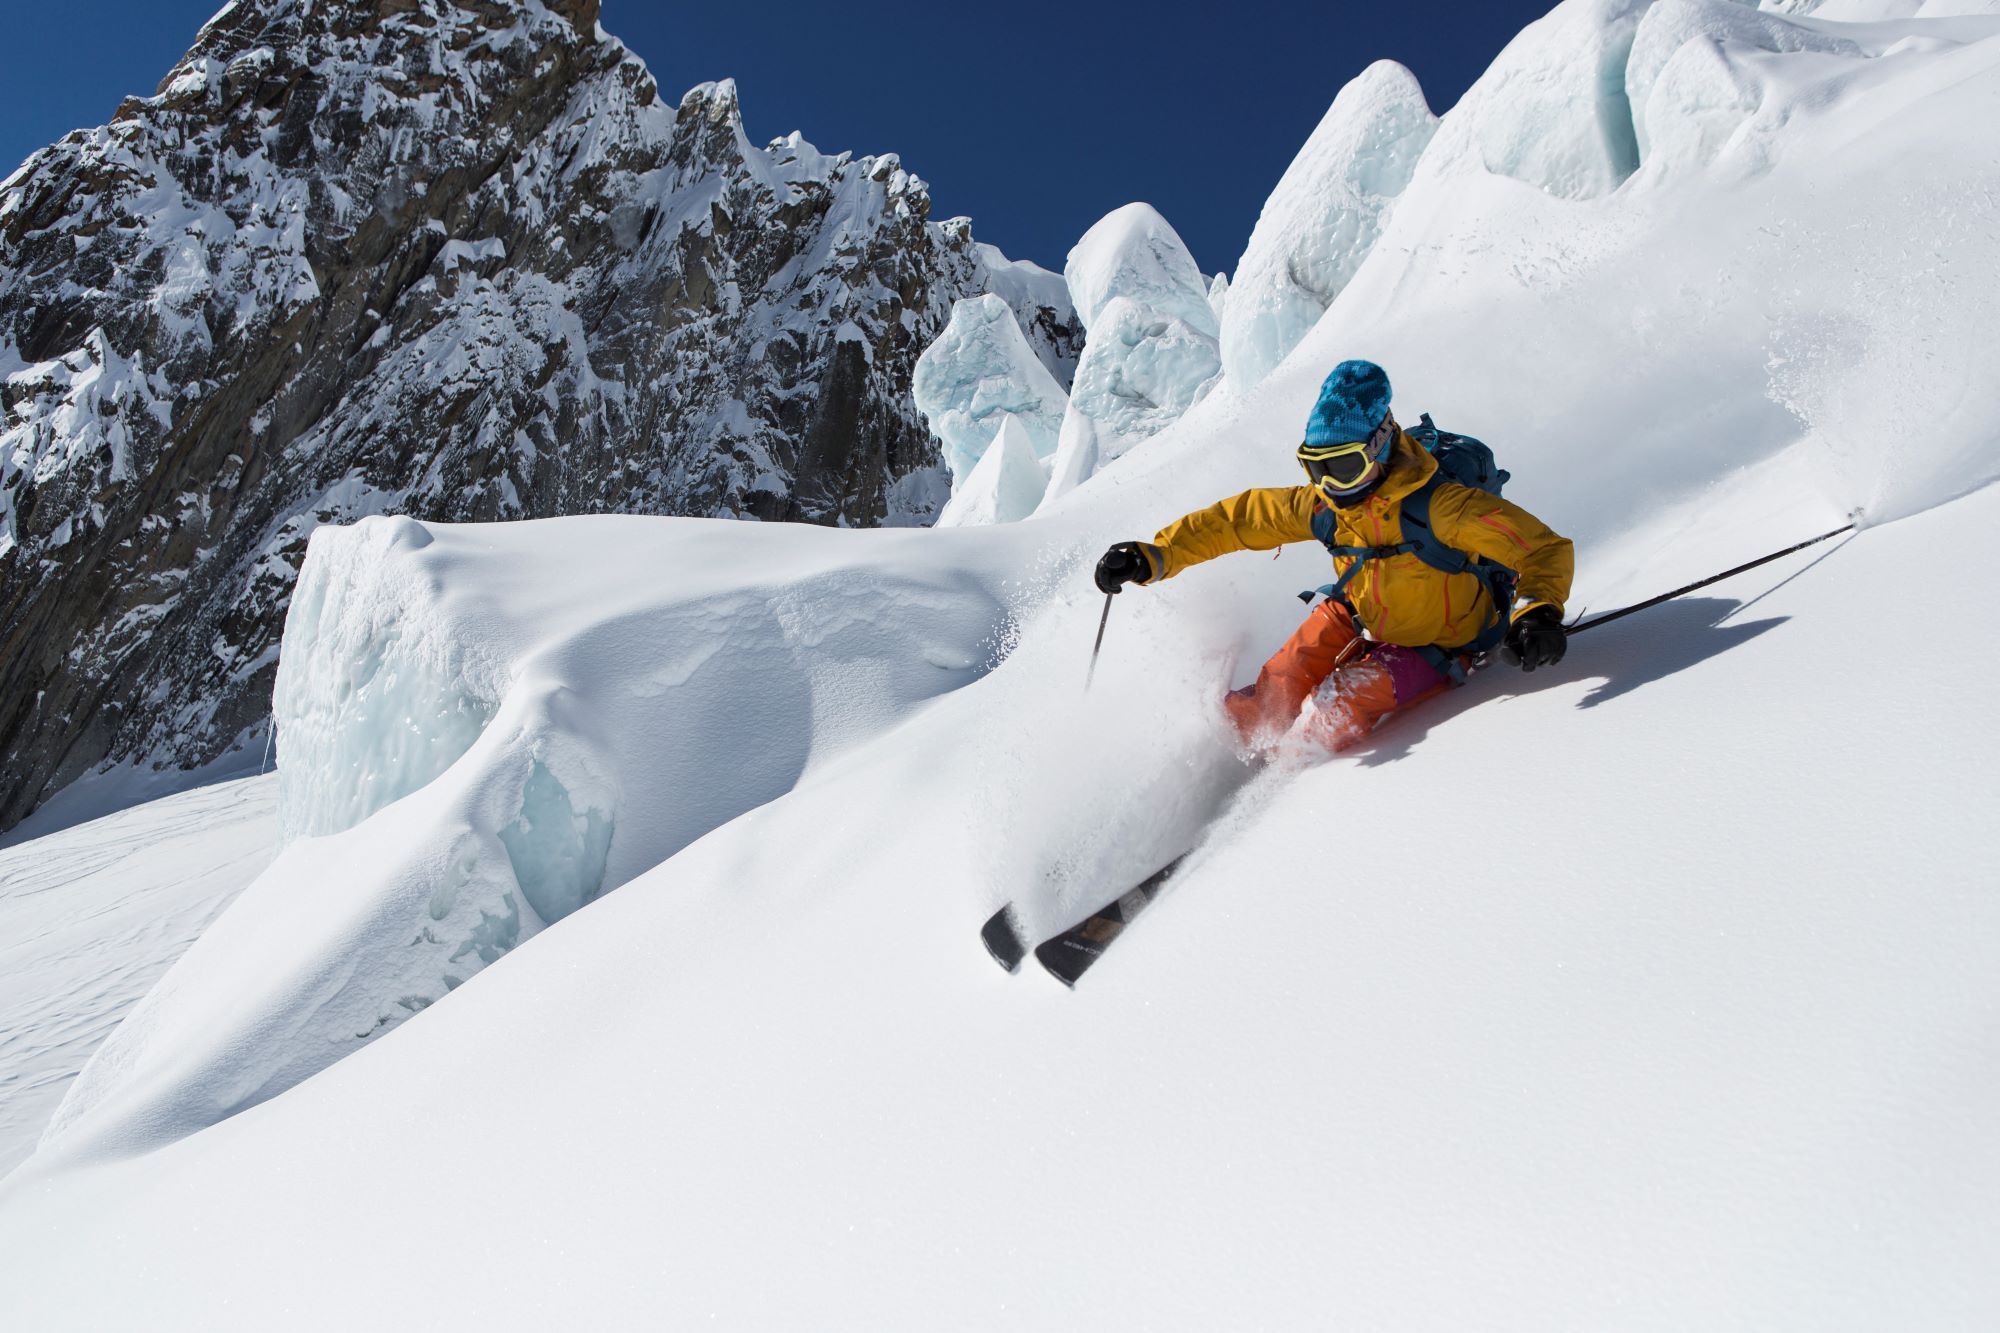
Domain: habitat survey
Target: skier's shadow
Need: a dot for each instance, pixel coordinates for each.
(1621, 657)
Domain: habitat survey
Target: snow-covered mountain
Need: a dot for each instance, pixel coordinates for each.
(447, 258)
(625, 930)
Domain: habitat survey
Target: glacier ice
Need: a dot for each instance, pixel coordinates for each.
(460, 708)
(1006, 485)
(1695, 83)
(1151, 347)
(557, 851)
(1323, 218)
(1218, 296)
(1551, 109)
(1135, 253)
(1040, 301)
(980, 370)
(373, 699)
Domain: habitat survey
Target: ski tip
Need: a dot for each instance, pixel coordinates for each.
(1002, 936)
(1062, 959)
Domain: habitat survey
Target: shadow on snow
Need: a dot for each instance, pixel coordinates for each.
(1651, 646)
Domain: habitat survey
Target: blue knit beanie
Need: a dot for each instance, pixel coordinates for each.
(1352, 403)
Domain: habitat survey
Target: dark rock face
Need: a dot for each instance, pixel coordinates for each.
(451, 258)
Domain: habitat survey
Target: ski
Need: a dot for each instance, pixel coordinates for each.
(1070, 954)
(1002, 937)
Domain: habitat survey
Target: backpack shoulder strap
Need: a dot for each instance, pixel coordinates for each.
(1429, 548)
(1417, 532)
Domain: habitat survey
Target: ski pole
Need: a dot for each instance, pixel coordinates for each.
(1101, 622)
(1610, 616)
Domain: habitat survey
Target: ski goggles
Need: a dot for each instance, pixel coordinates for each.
(1337, 471)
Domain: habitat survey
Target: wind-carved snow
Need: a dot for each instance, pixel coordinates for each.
(1699, 84)
(452, 731)
(1007, 484)
(979, 372)
(1323, 219)
(1151, 346)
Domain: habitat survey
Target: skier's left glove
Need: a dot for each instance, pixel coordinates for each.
(1124, 563)
(1536, 639)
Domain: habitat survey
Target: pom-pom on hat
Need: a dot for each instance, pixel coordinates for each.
(1352, 402)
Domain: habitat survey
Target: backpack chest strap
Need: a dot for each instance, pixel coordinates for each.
(1361, 555)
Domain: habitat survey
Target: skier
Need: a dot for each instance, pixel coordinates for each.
(1425, 626)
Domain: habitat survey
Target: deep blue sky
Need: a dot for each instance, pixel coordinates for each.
(1035, 117)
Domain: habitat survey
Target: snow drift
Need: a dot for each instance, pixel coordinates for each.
(454, 744)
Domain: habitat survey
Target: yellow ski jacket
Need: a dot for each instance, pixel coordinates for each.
(1400, 599)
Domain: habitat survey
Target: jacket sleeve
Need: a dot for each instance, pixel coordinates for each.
(1487, 525)
(1256, 520)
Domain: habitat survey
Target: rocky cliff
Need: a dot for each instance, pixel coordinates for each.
(451, 258)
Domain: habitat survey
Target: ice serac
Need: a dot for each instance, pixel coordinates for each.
(445, 258)
(1702, 89)
(1151, 340)
(1218, 296)
(379, 696)
(1323, 218)
(1040, 301)
(459, 713)
(1007, 484)
(1551, 109)
(979, 372)
(1868, 11)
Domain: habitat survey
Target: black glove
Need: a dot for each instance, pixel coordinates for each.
(1536, 639)
(1122, 564)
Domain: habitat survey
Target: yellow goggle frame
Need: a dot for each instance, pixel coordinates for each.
(1322, 462)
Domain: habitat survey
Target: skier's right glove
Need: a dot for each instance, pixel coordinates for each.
(1122, 564)
(1536, 639)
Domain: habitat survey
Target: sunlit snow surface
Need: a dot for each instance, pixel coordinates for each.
(92, 915)
(1655, 990)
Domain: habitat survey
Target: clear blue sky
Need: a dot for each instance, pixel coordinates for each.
(1035, 117)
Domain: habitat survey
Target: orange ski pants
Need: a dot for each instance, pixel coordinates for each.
(1353, 683)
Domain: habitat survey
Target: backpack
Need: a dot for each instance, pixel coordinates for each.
(1461, 461)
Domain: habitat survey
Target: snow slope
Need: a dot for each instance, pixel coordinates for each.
(1655, 990)
(92, 915)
